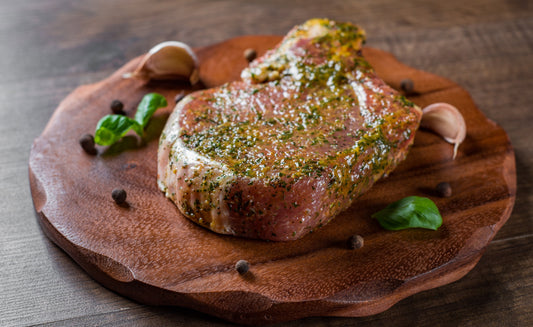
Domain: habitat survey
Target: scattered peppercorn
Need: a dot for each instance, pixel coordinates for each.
(250, 54)
(444, 189)
(242, 267)
(179, 96)
(407, 86)
(87, 143)
(355, 242)
(119, 195)
(117, 107)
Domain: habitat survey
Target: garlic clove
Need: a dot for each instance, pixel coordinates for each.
(445, 120)
(168, 60)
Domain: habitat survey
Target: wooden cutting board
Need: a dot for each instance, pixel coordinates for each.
(148, 251)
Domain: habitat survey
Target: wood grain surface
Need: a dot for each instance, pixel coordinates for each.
(148, 251)
(51, 47)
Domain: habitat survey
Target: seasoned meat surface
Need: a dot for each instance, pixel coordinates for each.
(308, 129)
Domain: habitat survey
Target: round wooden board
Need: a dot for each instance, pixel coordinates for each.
(149, 252)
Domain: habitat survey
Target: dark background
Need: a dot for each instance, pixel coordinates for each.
(49, 47)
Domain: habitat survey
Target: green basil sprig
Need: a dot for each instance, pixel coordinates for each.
(410, 212)
(112, 128)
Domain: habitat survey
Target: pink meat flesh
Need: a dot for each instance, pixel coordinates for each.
(307, 130)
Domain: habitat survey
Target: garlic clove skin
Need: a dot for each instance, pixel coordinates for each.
(168, 60)
(445, 120)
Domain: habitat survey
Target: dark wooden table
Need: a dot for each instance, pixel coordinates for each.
(52, 46)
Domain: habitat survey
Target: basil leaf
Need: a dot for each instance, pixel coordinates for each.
(410, 212)
(149, 104)
(112, 128)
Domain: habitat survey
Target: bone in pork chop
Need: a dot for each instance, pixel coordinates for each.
(308, 129)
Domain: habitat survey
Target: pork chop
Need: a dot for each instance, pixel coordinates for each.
(278, 154)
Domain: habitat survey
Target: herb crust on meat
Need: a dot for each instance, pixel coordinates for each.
(308, 129)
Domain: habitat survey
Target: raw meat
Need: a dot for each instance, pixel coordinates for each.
(307, 130)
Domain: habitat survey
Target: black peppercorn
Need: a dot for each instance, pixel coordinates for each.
(179, 96)
(119, 195)
(242, 267)
(355, 242)
(87, 143)
(407, 86)
(117, 107)
(250, 54)
(444, 189)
